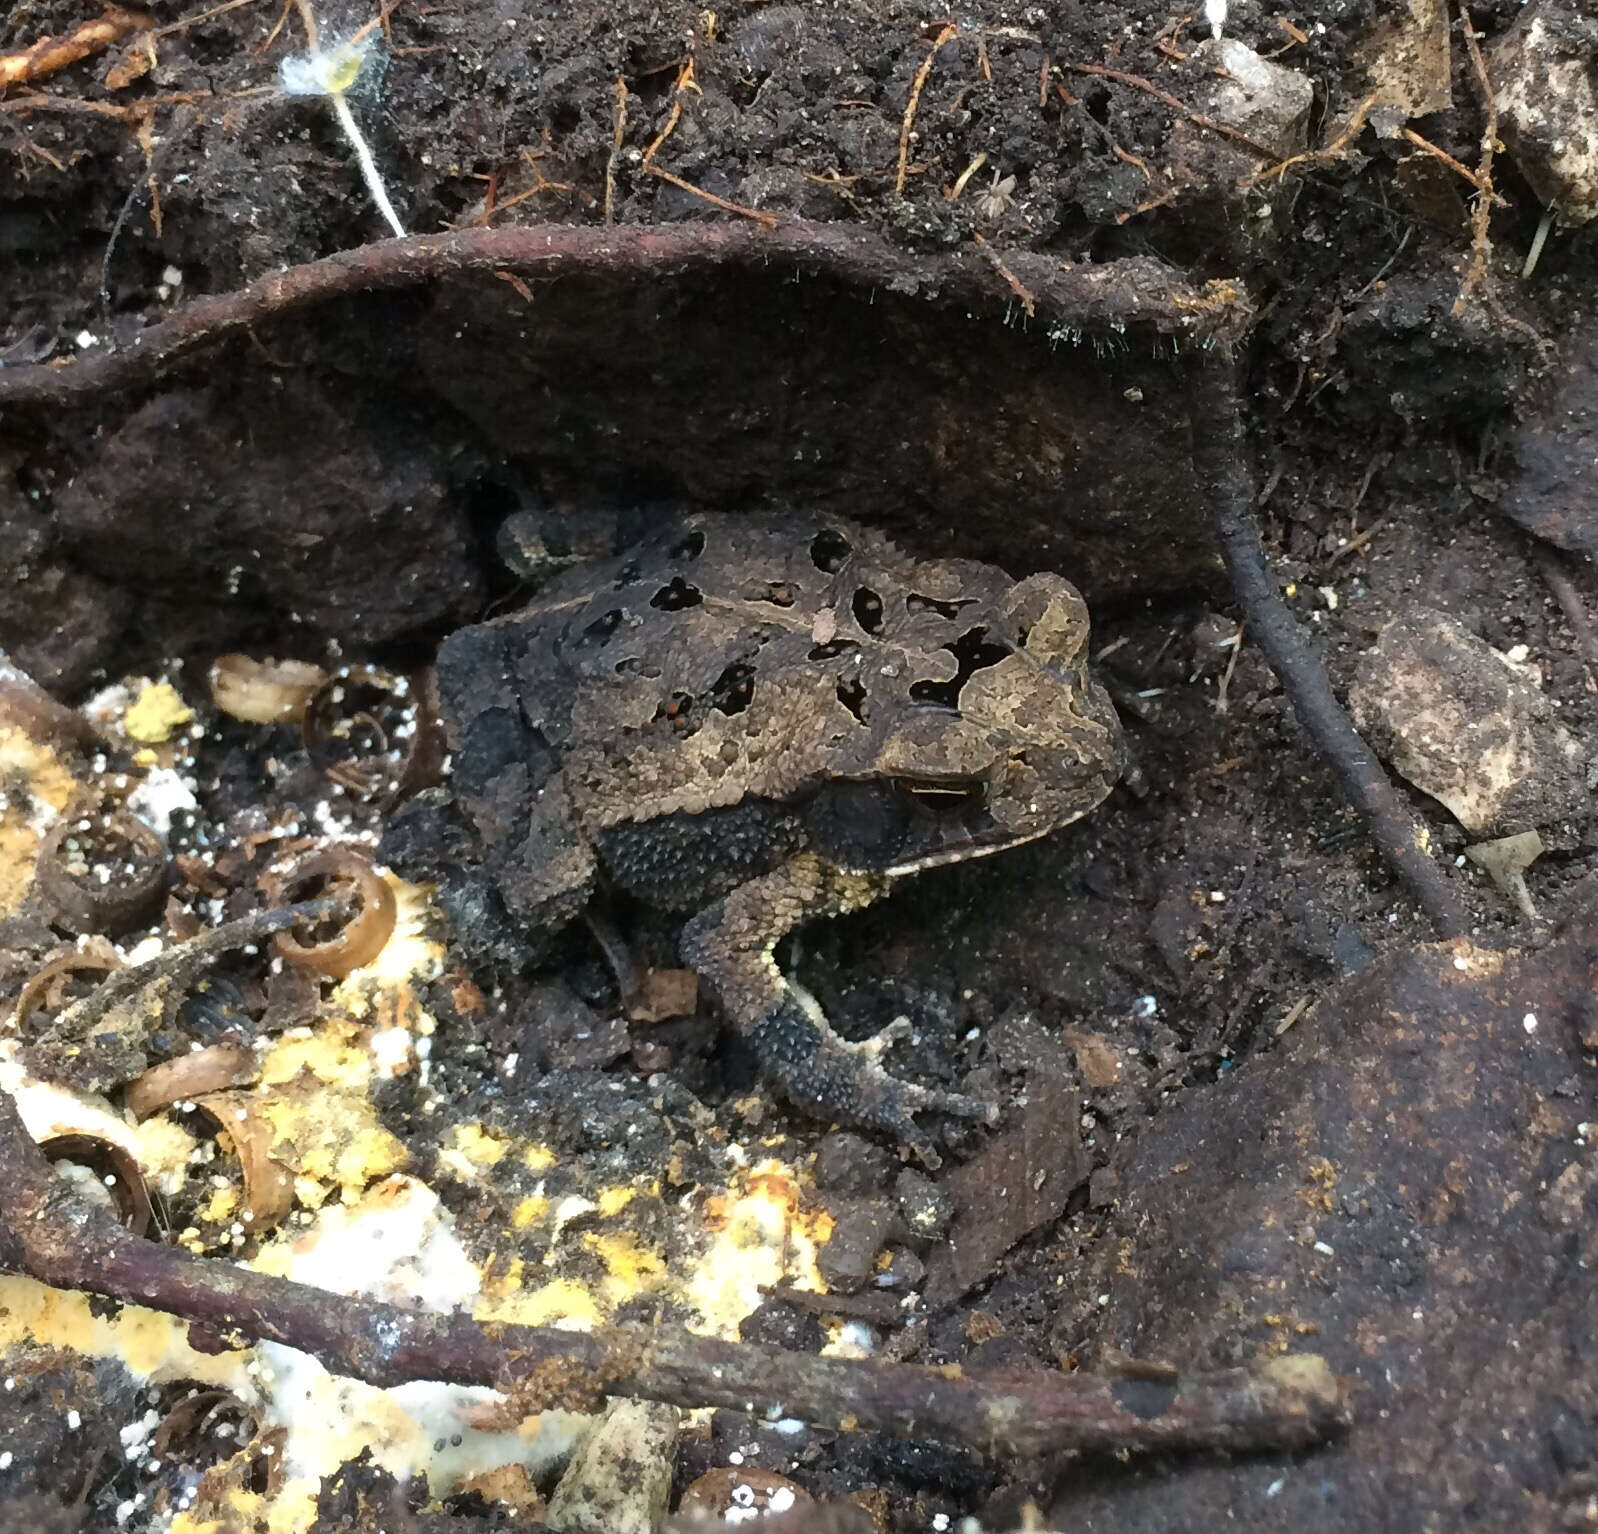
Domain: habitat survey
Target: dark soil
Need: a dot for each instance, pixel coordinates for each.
(334, 480)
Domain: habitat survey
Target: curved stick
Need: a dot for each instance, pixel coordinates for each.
(1069, 299)
(1221, 455)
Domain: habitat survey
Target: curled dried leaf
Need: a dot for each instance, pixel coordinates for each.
(100, 959)
(268, 1184)
(189, 1077)
(100, 872)
(371, 732)
(357, 941)
(264, 691)
(113, 1168)
(184, 1431)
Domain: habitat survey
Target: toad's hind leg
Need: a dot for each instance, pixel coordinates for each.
(731, 946)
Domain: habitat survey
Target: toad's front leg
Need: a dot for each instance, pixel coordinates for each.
(731, 946)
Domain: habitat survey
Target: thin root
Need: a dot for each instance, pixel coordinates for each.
(915, 100)
(51, 54)
(1325, 156)
(1029, 299)
(1198, 119)
(686, 82)
(618, 131)
(1481, 217)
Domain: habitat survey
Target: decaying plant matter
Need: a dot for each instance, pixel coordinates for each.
(47, 1233)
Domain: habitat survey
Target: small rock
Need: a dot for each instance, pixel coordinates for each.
(923, 1206)
(1268, 102)
(1462, 724)
(848, 1260)
(741, 1495)
(662, 994)
(620, 1478)
(849, 1163)
(1349, 948)
(509, 1487)
(1545, 75)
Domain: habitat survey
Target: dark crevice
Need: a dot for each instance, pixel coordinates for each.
(601, 629)
(675, 596)
(973, 652)
(829, 550)
(868, 610)
(734, 690)
(916, 602)
(853, 696)
(690, 546)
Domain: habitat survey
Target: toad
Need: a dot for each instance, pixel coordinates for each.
(757, 720)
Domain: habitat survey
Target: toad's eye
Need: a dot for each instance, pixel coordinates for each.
(943, 796)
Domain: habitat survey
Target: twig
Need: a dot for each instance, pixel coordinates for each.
(1128, 158)
(133, 112)
(308, 21)
(1377, 463)
(183, 23)
(963, 180)
(1198, 119)
(618, 131)
(685, 81)
(1481, 216)
(1075, 298)
(1222, 701)
(1409, 135)
(46, 1233)
(1358, 541)
(1029, 299)
(759, 215)
(1386, 265)
(159, 983)
(1356, 126)
(1570, 604)
(916, 87)
(1221, 456)
(492, 208)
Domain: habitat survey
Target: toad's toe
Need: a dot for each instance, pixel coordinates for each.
(822, 1074)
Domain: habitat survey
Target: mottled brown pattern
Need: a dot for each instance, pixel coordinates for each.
(781, 714)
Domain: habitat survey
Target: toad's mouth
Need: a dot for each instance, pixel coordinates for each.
(950, 821)
(965, 848)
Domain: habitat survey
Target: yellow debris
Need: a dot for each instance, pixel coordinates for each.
(155, 714)
(24, 760)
